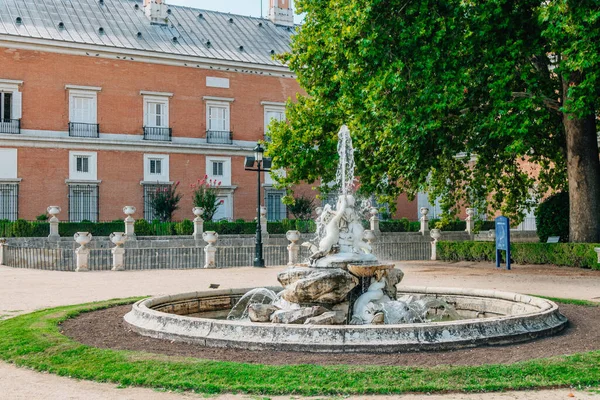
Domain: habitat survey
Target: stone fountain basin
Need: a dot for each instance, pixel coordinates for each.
(492, 318)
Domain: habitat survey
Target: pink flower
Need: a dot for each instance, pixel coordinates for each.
(193, 186)
(177, 183)
(219, 184)
(222, 202)
(205, 176)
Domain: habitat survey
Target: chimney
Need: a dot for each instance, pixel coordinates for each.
(281, 12)
(156, 10)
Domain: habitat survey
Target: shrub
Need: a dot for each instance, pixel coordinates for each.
(302, 208)
(22, 228)
(165, 201)
(552, 217)
(184, 228)
(142, 227)
(205, 196)
(42, 217)
(580, 255)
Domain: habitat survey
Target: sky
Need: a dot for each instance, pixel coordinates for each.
(242, 7)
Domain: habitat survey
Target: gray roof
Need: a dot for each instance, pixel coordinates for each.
(198, 33)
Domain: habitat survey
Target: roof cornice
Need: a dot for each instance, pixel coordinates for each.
(96, 51)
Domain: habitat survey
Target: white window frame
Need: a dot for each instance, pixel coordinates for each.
(225, 179)
(164, 175)
(156, 98)
(91, 95)
(12, 86)
(283, 213)
(272, 107)
(92, 174)
(223, 105)
(8, 163)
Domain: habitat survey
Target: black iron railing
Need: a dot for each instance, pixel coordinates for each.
(157, 133)
(10, 126)
(219, 137)
(83, 203)
(81, 129)
(9, 201)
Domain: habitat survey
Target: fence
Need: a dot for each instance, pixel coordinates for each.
(63, 259)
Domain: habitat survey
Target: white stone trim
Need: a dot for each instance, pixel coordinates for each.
(159, 94)
(84, 88)
(142, 183)
(272, 104)
(216, 82)
(9, 163)
(92, 174)
(15, 181)
(82, 182)
(218, 99)
(226, 178)
(164, 165)
(98, 51)
(122, 142)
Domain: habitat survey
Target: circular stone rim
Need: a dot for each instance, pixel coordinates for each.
(436, 336)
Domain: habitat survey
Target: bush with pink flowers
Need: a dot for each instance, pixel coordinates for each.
(206, 193)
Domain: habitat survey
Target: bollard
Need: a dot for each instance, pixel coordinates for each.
(53, 211)
(293, 247)
(210, 250)
(596, 249)
(424, 221)
(374, 220)
(436, 234)
(470, 221)
(82, 253)
(2, 246)
(198, 222)
(118, 252)
(129, 222)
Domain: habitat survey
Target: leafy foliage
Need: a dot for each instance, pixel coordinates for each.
(421, 82)
(552, 217)
(184, 228)
(580, 255)
(205, 196)
(302, 208)
(165, 201)
(141, 227)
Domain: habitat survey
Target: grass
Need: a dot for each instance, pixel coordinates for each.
(34, 341)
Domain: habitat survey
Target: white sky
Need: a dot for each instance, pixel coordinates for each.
(242, 7)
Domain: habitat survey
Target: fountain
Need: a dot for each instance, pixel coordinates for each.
(342, 299)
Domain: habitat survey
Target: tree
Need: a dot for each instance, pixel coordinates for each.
(165, 201)
(206, 193)
(302, 208)
(456, 98)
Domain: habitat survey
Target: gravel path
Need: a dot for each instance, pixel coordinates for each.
(23, 291)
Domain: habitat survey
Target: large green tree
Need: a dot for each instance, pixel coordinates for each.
(458, 98)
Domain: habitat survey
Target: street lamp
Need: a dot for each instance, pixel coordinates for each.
(262, 165)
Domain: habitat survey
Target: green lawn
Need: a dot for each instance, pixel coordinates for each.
(34, 341)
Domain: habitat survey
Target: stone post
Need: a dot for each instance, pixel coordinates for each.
(82, 252)
(293, 247)
(263, 220)
(596, 249)
(210, 250)
(424, 221)
(436, 234)
(374, 220)
(53, 211)
(118, 252)
(470, 221)
(3, 245)
(198, 222)
(129, 222)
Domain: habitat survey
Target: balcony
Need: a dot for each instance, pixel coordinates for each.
(219, 137)
(157, 133)
(10, 126)
(81, 129)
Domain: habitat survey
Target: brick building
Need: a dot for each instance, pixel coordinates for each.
(103, 100)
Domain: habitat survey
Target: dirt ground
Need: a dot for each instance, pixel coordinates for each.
(24, 291)
(106, 329)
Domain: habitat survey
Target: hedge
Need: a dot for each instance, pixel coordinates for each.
(580, 255)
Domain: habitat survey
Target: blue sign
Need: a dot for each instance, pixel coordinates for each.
(502, 240)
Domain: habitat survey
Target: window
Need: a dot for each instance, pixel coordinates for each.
(150, 191)
(9, 201)
(82, 107)
(6, 105)
(156, 109)
(82, 166)
(273, 111)
(217, 168)
(276, 210)
(83, 203)
(223, 209)
(156, 168)
(218, 117)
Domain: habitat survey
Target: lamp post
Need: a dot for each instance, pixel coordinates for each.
(262, 165)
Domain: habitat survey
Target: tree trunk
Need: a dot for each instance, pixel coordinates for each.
(583, 171)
